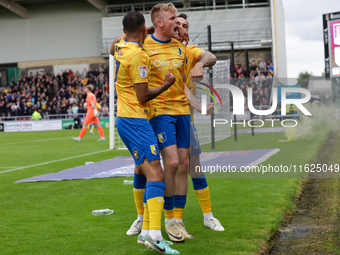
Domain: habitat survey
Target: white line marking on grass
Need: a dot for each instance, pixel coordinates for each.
(53, 161)
(29, 141)
(264, 157)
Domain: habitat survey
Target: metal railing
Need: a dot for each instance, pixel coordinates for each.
(48, 117)
(145, 7)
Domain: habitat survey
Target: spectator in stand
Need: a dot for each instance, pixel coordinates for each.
(36, 115)
(70, 73)
(105, 110)
(75, 109)
(50, 94)
(72, 100)
(263, 65)
(43, 107)
(271, 67)
(101, 77)
(84, 73)
(253, 66)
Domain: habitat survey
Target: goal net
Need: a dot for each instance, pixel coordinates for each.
(202, 123)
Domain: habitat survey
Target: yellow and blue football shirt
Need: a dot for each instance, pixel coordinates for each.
(167, 56)
(131, 66)
(192, 59)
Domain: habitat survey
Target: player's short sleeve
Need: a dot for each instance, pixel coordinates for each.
(139, 67)
(193, 53)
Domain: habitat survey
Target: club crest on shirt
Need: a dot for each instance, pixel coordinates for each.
(143, 71)
(135, 154)
(154, 149)
(179, 51)
(162, 137)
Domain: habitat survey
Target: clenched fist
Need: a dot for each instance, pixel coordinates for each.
(169, 79)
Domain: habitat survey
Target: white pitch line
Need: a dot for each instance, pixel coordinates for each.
(53, 161)
(57, 138)
(263, 158)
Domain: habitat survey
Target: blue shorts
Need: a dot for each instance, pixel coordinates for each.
(195, 148)
(138, 136)
(172, 129)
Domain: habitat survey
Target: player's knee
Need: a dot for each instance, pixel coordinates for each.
(156, 176)
(184, 165)
(160, 177)
(172, 164)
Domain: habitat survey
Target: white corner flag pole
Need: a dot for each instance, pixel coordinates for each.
(112, 101)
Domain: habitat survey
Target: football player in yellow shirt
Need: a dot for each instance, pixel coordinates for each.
(195, 55)
(131, 77)
(173, 224)
(171, 112)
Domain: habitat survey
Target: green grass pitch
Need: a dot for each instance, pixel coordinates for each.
(55, 217)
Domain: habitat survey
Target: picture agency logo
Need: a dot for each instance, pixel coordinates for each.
(204, 97)
(239, 104)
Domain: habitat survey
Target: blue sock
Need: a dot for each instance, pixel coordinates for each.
(199, 182)
(139, 181)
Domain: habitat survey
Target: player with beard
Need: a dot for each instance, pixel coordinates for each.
(196, 55)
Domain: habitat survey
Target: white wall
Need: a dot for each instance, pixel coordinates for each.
(279, 39)
(52, 31)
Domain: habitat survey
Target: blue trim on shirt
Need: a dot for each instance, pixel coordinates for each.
(134, 42)
(157, 40)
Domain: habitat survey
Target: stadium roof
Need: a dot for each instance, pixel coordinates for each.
(19, 7)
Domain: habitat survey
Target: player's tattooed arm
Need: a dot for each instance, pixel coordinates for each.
(144, 94)
(112, 48)
(205, 59)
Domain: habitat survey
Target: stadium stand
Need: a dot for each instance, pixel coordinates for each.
(63, 96)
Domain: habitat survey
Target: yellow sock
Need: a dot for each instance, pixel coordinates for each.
(203, 196)
(178, 213)
(138, 195)
(146, 221)
(155, 206)
(169, 214)
(92, 128)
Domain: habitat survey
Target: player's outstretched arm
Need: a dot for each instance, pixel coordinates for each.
(112, 48)
(149, 29)
(205, 59)
(144, 94)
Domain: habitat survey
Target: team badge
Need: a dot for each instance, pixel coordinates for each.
(135, 154)
(179, 51)
(143, 71)
(154, 149)
(162, 137)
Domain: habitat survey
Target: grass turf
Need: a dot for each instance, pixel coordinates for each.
(55, 217)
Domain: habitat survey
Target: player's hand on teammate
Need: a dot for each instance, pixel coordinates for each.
(150, 29)
(196, 73)
(183, 35)
(210, 108)
(169, 79)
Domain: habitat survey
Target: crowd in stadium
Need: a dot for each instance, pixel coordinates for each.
(64, 93)
(54, 94)
(260, 80)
